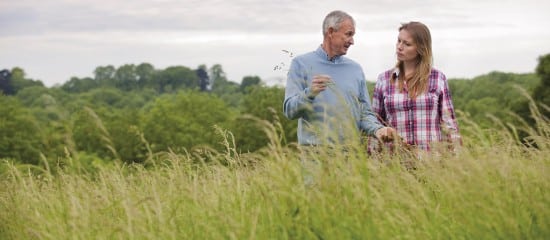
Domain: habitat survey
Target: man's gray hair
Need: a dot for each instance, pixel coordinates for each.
(334, 19)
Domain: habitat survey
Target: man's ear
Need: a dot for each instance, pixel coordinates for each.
(330, 31)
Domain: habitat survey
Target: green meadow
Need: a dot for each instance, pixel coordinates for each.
(493, 187)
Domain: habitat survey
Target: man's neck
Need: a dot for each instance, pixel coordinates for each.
(330, 55)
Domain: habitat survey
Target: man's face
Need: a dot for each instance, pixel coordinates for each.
(342, 39)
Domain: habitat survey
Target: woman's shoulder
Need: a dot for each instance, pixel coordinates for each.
(437, 74)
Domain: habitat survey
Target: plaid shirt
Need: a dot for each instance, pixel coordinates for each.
(429, 118)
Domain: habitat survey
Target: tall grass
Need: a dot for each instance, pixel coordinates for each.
(494, 187)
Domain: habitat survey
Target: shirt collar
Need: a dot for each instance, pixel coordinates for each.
(321, 52)
(396, 72)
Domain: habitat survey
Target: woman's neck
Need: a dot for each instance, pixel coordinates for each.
(409, 68)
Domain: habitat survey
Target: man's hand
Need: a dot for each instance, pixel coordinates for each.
(318, 84)
(386, 134)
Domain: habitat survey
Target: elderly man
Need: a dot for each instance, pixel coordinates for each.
(327, 92)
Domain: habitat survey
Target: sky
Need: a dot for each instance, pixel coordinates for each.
(54, 40)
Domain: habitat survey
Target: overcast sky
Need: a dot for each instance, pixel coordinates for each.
(54, 40)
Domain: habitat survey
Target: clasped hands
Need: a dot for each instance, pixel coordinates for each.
(386, 134)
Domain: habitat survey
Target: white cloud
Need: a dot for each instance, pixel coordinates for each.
(54, 40)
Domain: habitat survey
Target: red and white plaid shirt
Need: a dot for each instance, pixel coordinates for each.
(428, 118)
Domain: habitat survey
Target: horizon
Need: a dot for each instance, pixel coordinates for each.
(65, 39)
(269, 82)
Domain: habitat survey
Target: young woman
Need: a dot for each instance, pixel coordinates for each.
(413, 97)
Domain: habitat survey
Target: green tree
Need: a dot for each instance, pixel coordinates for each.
(5, 82)
(204, 79)
(51, 116)
(217, 74)
(124, 129)
(173, 78)
(19, 81)
(105, 75)
(145, 73)
(135, 100)
(185, 120)
(541, 94)
(220, 84)
(250, 81)
(31, 96)
(90, 134)
(263, 103)
(126, 78)
(20, 135)
(226, 90)
(106, 96)
(481, 109)
(494, 94)
(78, 85)
(109, 125)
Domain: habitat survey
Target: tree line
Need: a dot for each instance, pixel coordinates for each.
(132, 112)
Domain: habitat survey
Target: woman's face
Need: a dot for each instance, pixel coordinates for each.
(406, 47)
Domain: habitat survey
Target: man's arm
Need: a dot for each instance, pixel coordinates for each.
(297, 94)
(368, 122)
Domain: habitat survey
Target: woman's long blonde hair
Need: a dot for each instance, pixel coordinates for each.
(418, 82)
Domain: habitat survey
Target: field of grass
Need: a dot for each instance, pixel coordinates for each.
(492, 188)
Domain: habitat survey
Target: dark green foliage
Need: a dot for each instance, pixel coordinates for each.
(262, 103)
(145, 74)
(130, 77)
(204, 79)
(494, 94)
(20, 136)
(103, 96)
(77, 85)
(34, 96)
(104, 74)
(90, 134)
(18, 80)
(133, 111)
(125, 135)
(52, 115)
(227, 90)
(185, 120)
(126, 78)
(173, 78)
(541, 94)
(250, 81)
(109, 126)
(5, 82)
